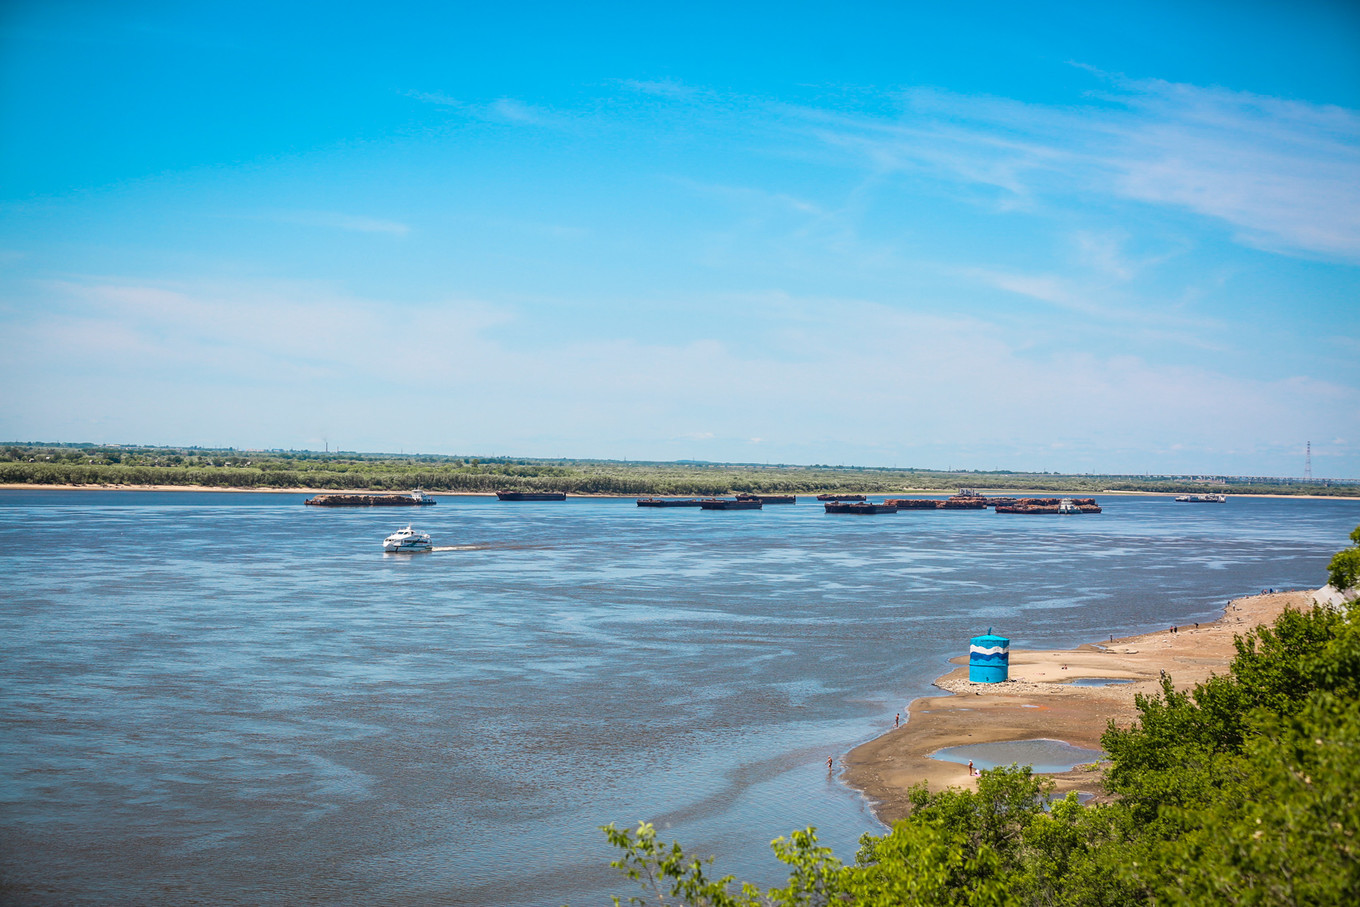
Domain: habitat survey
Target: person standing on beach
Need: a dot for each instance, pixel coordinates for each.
(897, 720)
(971, 773)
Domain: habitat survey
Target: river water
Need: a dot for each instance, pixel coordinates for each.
(235, 699)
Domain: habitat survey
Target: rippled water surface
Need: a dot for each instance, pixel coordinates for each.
(233, 698)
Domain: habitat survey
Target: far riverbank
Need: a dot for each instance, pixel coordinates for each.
(935, 492)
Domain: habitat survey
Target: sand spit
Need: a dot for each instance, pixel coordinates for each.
(1040, 702)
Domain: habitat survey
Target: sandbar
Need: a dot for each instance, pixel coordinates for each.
(1039, 701)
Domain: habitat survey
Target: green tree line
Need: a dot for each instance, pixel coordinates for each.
(1244, 790)
(82, 464)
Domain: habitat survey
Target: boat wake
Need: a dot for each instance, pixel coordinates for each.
(485, 547)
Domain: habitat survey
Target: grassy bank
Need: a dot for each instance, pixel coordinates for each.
(88, 464)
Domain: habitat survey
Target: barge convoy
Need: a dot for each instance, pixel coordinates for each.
(531, 495)
(966, 499)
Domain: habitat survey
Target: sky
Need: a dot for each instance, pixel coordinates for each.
(1042, 236)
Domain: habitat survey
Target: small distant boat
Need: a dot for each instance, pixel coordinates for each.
(407, 540)
(532, 495)
(1202, 498)
(859, 507)
(840, 497)
(668, 502)
(768, 498)
(729, 504)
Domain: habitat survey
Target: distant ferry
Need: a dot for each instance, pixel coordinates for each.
(532, 495)
(407, 540)
(1202, 498)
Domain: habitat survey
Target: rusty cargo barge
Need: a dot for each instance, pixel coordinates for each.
(862, 507)
(1066, 506)
(413, 499)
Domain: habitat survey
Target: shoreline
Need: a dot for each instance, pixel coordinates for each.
(1039, 702)
(236, 489)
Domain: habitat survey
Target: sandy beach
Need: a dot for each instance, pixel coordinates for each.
(1039, 702)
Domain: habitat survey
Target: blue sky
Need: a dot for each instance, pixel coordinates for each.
(1056, 238)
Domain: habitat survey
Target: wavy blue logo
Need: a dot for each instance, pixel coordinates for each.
(994, 654)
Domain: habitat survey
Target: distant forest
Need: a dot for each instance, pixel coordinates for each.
(91, 464)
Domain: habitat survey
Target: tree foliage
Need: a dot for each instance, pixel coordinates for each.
(1244, 790)
(89, 464)
(1344, 570)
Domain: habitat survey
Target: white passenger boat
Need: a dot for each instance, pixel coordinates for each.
(407, 539)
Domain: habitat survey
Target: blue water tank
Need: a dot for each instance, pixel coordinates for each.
(989, 658)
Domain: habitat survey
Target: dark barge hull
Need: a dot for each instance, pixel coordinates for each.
(840, 497)
(532, 495)
(769, 498)
(663, 502)
(859, 507)
(730, 505)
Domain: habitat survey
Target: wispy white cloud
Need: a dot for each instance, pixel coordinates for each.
(1103, 253)
(435, 97)
(212, 329)
(513, 110)
(505, 110)
(666, 88)
(1284, 175)
(99, 347)
(1100, 303)
(340, 221)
